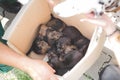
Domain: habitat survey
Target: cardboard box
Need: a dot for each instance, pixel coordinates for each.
(23, 29)
(106, 58)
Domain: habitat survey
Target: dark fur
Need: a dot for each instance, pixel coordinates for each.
(66, 49)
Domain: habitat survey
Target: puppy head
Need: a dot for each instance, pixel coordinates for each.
(109, 5)
(72, 7)
(106, 2)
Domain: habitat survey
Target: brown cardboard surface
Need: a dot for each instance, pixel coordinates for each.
(92, 54)
(106, 57)
(23, 29)
(26, 24)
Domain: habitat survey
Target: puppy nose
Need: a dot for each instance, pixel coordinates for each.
(99, 13)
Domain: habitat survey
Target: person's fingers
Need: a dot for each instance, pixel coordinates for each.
(53, 77)
(50, 68)
(94, 21)
(101, 20)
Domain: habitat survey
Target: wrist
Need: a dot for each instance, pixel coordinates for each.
(110, 29)
(115, 45)
(115, 37)
(114, 41)
(23, 62)
(112, 33)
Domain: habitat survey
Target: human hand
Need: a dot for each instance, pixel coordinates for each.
(102, 21)
(39, 70)
(106, 23)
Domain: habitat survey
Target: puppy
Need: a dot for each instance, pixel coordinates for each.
(112, 7)
(69, 8)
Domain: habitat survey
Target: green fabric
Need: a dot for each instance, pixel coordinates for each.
(8, 72)
(15, 74)
(3, 68)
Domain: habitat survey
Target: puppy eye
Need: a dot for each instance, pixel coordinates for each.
(116, 5)
(101, 13)
(101, 2)
(109, 1)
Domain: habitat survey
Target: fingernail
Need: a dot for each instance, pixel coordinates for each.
(53, 78)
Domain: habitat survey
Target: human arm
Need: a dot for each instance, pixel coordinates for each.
(114, 41)
(112, 33)
(37, 69)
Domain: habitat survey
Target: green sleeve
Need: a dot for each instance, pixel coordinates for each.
(3, 68)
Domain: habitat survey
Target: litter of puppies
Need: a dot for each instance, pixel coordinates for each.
(64, 45)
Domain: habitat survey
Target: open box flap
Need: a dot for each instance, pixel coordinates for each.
(22, 31)
(23, 28)
(93, 52)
